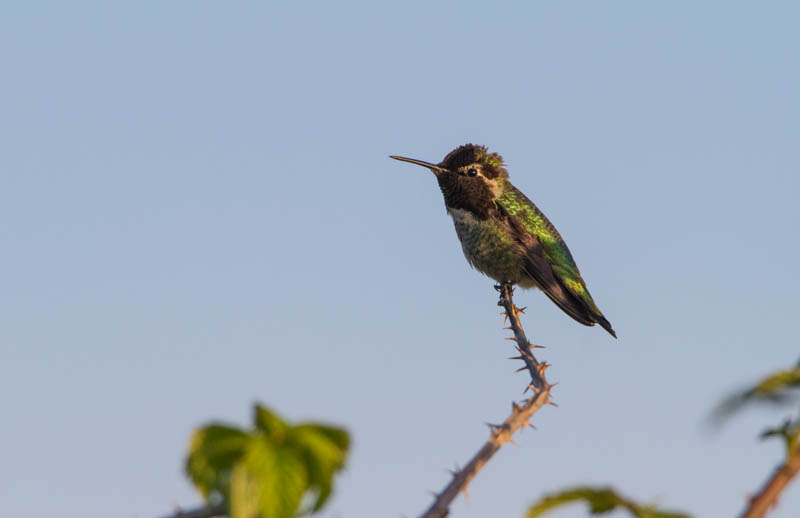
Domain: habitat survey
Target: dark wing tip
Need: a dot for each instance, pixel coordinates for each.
(605, 324)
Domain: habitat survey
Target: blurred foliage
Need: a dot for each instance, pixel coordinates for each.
(271, 470)
(778, 388)
(599, 500)
(789, 431)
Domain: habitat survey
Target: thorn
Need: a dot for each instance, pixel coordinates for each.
(534, 346)
(514, 407)
(512, 338)
(523, 368)
(516, 357)
(528, 423)
(521, 310)
(512, 441)
(550, 386)
(508, 328)
(551, 402)
(434, 494)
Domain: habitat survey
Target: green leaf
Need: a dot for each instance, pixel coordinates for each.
(338, 436)
(269, 482)
(599, 500)
(324, 450)
(213, 452)
(270, 470)
(245, 497)
(269, 423)
(777, 388)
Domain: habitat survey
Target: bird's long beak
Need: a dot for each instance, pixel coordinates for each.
(433, 167)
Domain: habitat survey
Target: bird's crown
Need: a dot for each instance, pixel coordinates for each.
(468, 154)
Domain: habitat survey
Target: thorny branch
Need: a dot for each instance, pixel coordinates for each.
(762, 501)
(500, 433)
(520, 414)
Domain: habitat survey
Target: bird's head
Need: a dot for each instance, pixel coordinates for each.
(470, 177)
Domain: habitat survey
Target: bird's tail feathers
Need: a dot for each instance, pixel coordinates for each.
(605, 324)
(578, 309)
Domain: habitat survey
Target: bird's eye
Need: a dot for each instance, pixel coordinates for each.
(472, 172)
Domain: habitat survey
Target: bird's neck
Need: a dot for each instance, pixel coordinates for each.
(473, 194)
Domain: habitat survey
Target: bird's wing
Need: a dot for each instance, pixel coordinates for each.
(548, 260)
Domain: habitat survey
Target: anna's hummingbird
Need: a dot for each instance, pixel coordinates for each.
(505, 236)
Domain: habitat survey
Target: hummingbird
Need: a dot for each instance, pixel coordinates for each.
(505, 236)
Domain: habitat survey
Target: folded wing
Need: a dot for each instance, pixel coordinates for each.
(548, 260)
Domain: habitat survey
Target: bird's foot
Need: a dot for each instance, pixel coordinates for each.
(502, 287)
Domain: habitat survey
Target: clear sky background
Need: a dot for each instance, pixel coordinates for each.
(197, 212)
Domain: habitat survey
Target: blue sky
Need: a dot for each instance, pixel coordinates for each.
(197, 212)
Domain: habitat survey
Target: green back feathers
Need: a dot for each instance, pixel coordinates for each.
(518, 206)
